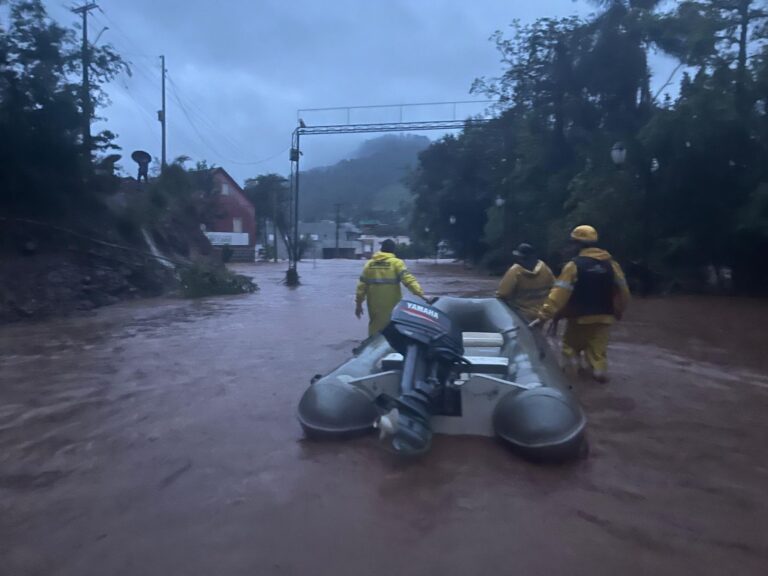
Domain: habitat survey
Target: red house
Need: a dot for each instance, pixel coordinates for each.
(234, 224)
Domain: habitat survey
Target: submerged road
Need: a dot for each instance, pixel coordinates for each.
(159, 438)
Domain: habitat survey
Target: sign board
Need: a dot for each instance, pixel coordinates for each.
(228, 238)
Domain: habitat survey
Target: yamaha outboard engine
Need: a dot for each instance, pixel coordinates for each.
(431, 349)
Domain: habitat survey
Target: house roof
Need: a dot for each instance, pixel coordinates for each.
(199, 176)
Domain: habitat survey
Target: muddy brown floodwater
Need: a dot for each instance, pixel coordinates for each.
(159, 438)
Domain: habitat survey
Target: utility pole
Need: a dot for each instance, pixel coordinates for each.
(274, 222)
(85, 96)
(338, 224)
(161, 118)
(297, 252)
(292, 275)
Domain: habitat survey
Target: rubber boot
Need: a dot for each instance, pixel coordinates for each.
(600, 376)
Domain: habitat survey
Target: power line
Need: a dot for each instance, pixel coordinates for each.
(175, 92)
(125, 84)
(215, 150)
(149, 73)
(115, 26)
(141, 108)
(197, 111)
(202, 138)
(263, 160)
(190, 110)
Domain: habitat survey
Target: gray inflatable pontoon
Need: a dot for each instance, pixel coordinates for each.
(512, 387)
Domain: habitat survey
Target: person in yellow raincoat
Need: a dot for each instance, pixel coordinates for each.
(380, 285)
(591, 292)
(525, 286)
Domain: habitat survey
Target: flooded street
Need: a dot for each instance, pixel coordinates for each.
(159, 438)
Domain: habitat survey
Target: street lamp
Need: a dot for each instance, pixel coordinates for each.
(437, 245)
(452, 222)
(619, 157)
(649, 191)
(619, 153)
(500, 202)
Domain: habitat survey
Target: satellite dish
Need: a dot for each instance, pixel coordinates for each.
(142, 159)
(106, 166)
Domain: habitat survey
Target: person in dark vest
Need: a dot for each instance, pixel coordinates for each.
(591, 292)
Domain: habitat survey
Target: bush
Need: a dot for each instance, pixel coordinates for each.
(412, 251)
(198, 280)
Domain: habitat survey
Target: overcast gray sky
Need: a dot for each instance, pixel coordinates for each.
(239, 69)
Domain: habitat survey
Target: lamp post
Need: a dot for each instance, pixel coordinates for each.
(500, 202)
(619, 154)
(452, 222)
(426, 233)
(619, 157)
(648, 208)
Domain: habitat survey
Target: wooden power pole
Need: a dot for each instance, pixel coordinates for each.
(85, 96)
(161, 117)
(338, 225)
(274, 223)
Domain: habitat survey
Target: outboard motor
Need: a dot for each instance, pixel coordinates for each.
(431, 347)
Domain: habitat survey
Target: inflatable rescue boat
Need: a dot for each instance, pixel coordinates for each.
(463, 366)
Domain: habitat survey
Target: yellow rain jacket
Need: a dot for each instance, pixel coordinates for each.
(560, 294)
(380, 285)
(526, 290)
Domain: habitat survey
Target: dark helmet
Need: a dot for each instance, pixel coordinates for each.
(525, 255)
(388, 246)
(524, 251)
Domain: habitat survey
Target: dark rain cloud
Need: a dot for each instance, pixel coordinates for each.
(239, 69)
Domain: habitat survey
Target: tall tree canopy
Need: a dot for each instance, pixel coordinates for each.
(693, 189)
(43, 168)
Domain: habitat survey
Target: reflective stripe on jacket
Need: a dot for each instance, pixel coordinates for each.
(563, 289)
(380, 285)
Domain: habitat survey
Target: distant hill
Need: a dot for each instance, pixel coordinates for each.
(369, 185)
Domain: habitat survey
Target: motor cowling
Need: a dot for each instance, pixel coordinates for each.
(431, 346)
(413, 322)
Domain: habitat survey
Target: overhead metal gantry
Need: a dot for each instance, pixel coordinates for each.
(348, 127)
(385, 127)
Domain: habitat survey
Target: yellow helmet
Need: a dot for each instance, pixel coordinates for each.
(584, 233)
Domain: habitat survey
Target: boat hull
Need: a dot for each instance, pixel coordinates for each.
(516, 391)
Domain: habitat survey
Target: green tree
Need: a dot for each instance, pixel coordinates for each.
(715, 34)
(270, 196)
(40, 118)
(692, 190)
